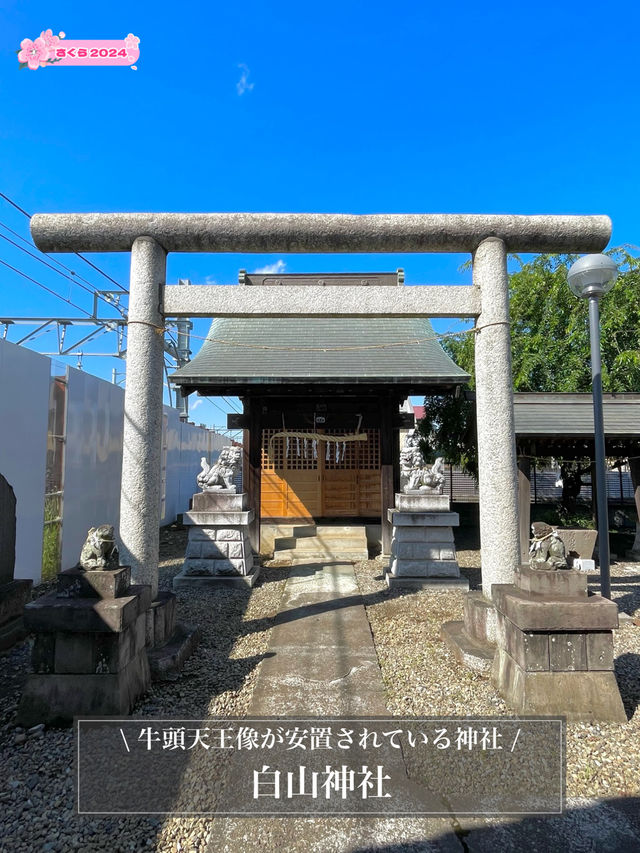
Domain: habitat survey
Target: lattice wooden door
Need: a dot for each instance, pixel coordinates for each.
(302, 478)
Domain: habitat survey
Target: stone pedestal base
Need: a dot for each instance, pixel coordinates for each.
(472, 641)
(555, 647)
(169, 658)
(579, 696)
(13, 597)
(89, 655)
(422, 546)
(435, 584)
(169, 643)
(218, 547)
(184, 581)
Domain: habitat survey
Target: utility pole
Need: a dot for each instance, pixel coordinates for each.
(183, 355)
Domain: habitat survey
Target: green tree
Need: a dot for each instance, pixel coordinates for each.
(549, 346)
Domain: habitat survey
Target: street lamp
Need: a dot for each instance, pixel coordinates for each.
(590, 278)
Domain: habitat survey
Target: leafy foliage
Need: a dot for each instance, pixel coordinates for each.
(549, 346)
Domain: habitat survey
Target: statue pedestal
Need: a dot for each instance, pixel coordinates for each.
(555, 647)
(90, 654)
(13, 597)
(218, 547)
(423, 553)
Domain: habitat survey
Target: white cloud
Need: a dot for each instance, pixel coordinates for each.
(210, 280)
(272, 269)
(243, 84)
(198, 402)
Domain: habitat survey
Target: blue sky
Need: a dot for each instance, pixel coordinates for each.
(345, 107)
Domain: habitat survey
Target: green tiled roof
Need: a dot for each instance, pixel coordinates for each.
(340, 349)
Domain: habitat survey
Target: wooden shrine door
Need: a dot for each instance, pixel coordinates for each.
(304, 479)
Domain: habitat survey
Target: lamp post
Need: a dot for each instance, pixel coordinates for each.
(590, 278)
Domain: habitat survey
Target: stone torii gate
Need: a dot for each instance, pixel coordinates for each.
(150, 236)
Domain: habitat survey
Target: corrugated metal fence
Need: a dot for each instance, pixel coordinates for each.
(462, 488)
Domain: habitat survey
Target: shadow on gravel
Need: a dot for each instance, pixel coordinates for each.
(624, 590)
(605, 826)
(627, 672)
(306, 610)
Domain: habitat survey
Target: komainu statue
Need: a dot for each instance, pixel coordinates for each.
(99, 550)
(546, 551)
(410, 455)
(427, 479)
(220, 475)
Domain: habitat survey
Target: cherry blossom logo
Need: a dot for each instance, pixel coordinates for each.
(40, 52)
(48, 49)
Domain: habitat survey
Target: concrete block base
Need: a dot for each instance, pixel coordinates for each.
(555, 647)
(160, 620)
(580, 696)
(183, 581)
(168, 659)
(422, 501)
(434, 584)
(13, 597)
(480, 618)
(472, 653)
(89, 655)
(218, 544)
(56, 698)
(472, 641)
(423, 552)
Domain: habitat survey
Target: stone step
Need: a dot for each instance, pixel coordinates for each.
(298, 557)
(322, 542)
(328, 542)
(471, 652)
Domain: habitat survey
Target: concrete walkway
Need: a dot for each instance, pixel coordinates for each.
(324, 663)
(324, 660)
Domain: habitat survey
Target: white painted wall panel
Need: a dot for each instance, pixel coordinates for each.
(24, 406)
(186, 444)
(93, 461)
(93, 454)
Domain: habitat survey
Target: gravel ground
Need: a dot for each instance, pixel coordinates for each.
(36, 782)
(420, 676)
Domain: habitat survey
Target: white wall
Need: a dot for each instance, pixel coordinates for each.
(93, 459)
(93, 454)
(186, 444)
(93, 463)
(24, 408)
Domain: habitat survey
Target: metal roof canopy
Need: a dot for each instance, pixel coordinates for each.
(570, 415)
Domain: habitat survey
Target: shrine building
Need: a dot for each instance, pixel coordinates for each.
(321, 402)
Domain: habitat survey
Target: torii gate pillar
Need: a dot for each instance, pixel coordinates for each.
(497, 466)
(142, 441)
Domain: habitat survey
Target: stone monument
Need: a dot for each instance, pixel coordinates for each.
(90, 654)
(218, 547)
(14, 594)
(423, 552)
(554, 641)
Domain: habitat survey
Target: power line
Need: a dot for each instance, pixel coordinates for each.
(93, 291)
(46, 254)
(231, 406)
(209, 400)
(82, 257)
(17, 206)
(44, 287)
(102, 272)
